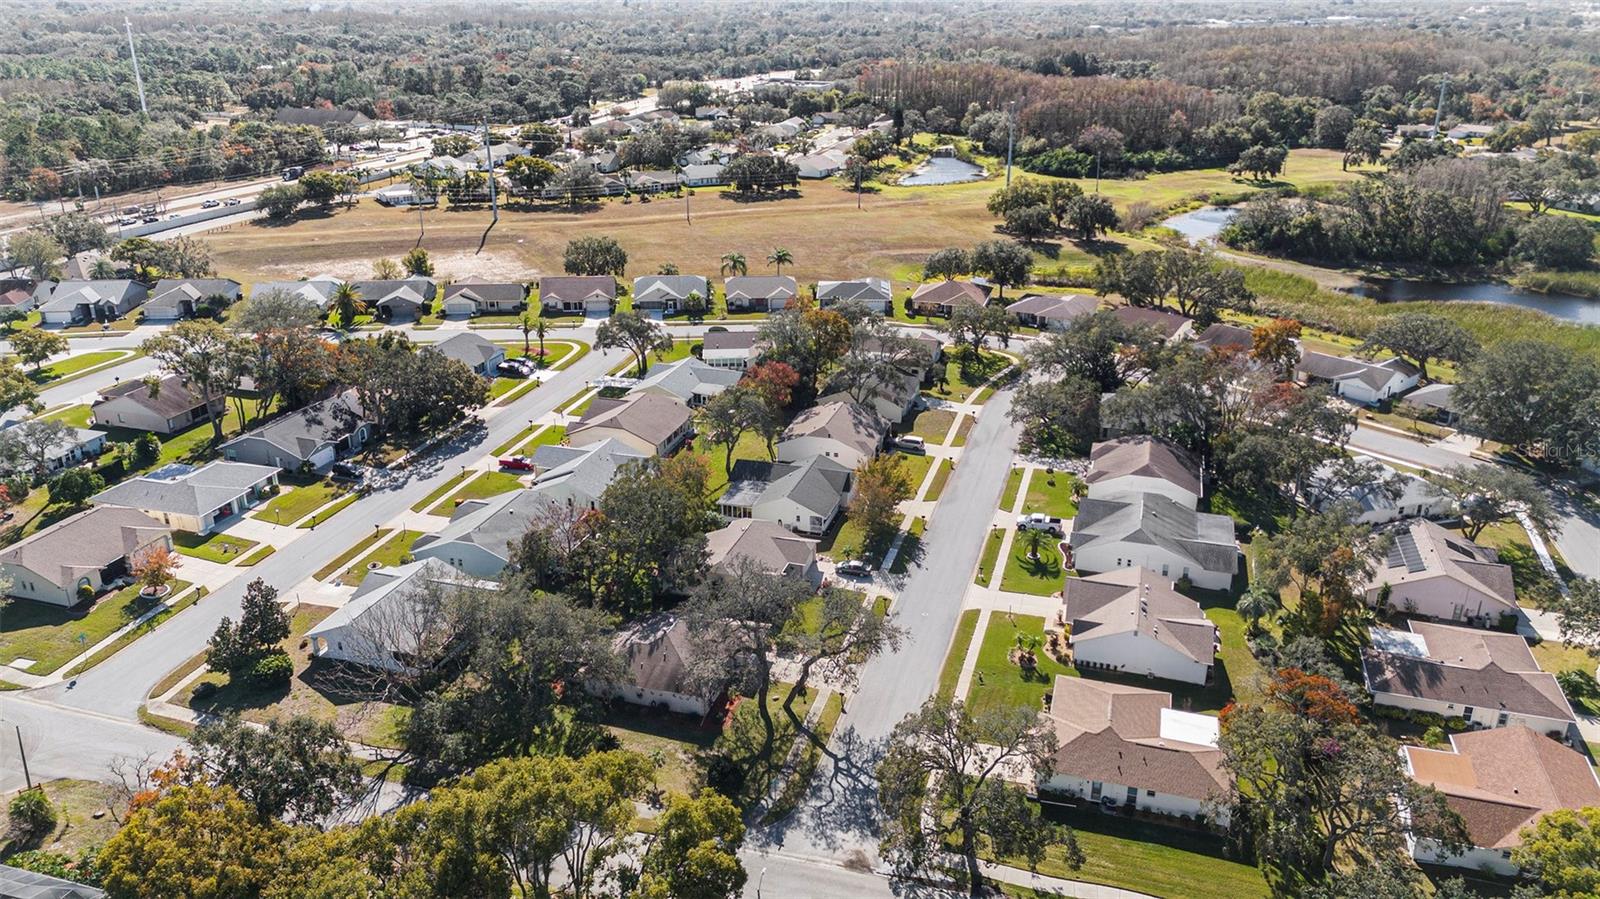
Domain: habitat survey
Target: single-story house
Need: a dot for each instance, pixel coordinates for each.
(91, 548)
(584, 294)
(1488, 678)
(874, 293)
(471, 296)
(318, 117)
(478, 353)
(652, 182)
(1144, 464)
(1440, 574)
(186, 498)
(818, 166)
(708, 174)
(650, 423)
(804, 497)
(26, 884)
(1439, 400)
(313, 437)
(1128, 746)
(67, 302)
(843, 431)
(402, 195)
(687, 380)
(1226, 337)
(1375, 505)
(657, 654)
(318, 290)
(578, 475)
(403, 299)
(730, 349)
(710, 112)
(175, 298)
(892, 400)
(606, 161)
(75, 447)
(759, 293)
(942, 297)
(769, 544)
(1131, 621)
(1500, 781)
(1357, 379)
(1052, 312)
(380, 624)
(16, 294)
(667, 293)
(1414, 131)
(174, 406)
(1170, 326)
(1150, 530)
(1469, 131)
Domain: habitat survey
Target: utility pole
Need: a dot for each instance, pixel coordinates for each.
(138, 80)
(23, 753)
(1011, 136)
(488, 155)
(1439, 110)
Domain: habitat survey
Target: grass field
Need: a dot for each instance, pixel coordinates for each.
(933, 424)
(50, 635)
(940, 477)
(349, 555)
(1008, 499)
(998, 681)
(490, 483)
(1051, 494)
(66, 369)
(991, 555)
(391, 552)
(295, 503)
(1041, 576)
(966, 626)
(219, 548)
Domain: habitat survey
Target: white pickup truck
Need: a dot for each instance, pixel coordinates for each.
(1038, 521)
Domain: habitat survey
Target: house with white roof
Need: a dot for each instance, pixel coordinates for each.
(874, 293)
(1440, 574)
(197, 500)
(1128, 747)
(1152, 531)
(1131, 621)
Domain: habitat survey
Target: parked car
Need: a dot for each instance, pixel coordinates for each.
(346, 470)
(172, 216)
(127, 220)
(517, 463)
(911, 443)
(210, 204)
(1038, 521)
(151, 219)
(390, 158)
(231, 201)
(854, 568)
(512, 369)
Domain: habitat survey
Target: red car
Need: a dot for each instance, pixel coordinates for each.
(517, 463)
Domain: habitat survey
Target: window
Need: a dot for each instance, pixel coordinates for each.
(1163, 569)
(1133, 795)
(1501, 721)
(1149, 792)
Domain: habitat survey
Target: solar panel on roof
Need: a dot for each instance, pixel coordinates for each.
(1404, 552)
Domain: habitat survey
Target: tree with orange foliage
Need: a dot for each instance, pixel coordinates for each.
(1321, 783)
(155, 567)
(775, 381)
(1273, 345)
(1328, 556)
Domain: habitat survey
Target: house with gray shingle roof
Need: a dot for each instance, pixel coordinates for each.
(583, 294)
(843, 431)
(474, 296)
(766, 543)
(667, 293)
(874, 293)
(688, 380)
(476, 352)
(381, 623)
(1050, 311)
(730, 349)
(1439, 400)
(192, 499)
(173, 406)
(1132, 621)
(66, 302)
(1357, 379)
(313, 437)
(658, 655)
(404, 299)
(942, 297)
(92, 548)
(1168, 325)
(1440, 574)
(318, 289)
(175, 298)
(651, 423)
(1144, 464)
(804, 497)
(1150, 530)
(759, 293)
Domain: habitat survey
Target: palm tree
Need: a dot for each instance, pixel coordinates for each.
(525, 323)
(347, 302)
(734, 264)
(1034, 539)
(1256, 604)
(540, 327)
(780, 257)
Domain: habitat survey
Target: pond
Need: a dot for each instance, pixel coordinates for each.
(1571, 308)
(943, 170)
(1201, 224)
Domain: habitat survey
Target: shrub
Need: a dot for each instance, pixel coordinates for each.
(1455, 723)
(1578, 684)
(31, 814)
(1433, 736)
(146, 450)
(85, 593)
(271, 670)
(204, 690)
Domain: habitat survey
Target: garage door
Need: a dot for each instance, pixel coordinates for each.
(322, 458)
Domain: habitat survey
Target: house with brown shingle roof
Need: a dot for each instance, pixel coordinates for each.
(1127, 746)
(1488, 678)
(581, 294)
(173, 406)
(845, 432)
(649, 423)
(1052, 312)
(766, 543)
(93, 548)
(1500, 782)
(1144, 464)
(1357, 379)
(1132, 621)
(1170, 326)
(1440, 574)
(942, 297)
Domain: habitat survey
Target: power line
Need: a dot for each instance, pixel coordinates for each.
(138, 79)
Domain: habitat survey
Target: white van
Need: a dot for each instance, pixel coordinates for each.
(911, 443)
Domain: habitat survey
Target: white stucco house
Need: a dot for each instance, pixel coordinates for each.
(1369, 383)
(768, 544)
(759, 293)
(173, 407)
(1131, 621)
(842, 431)
(1437, 573)
(874, 293)
(804, 497)
(581, 294)
(656, 655)
(93, 549)
(650, 423)
(730, 349)
(381, 624)
(197, 500)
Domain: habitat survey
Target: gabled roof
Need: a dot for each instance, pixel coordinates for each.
(760, 287)
(1136, 601)
(1225, 336)
(1504, 779)
(20, 883)
(1144, 456)
(669, 287)
(184, 489)
(385, 586)
(487, 291)
(319, 290)
(1414, 491)
(471, 350)
(570, 288)
(65, 296)
(416, 290)
(83, 544)
(817, 485)
(303, 432)
(1423, 550)
(1436, 396)
(1465, 666)
(585, 470)
(650, 417)
(851, 424)
(318, 117)
(767, 543)
(173, 396)
(172, 291)
(858, 289)
(1132, 736)
(951, 293)
(1165, 323)
(1055, 308)
(1152, 518)
(730, 340)
(688, 378)
(657, 653)
(1343, 368)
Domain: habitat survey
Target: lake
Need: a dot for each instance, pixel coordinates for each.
(1201, 224)
(942, 170)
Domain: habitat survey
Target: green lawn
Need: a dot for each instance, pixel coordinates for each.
(258, 556)
(997, 681)
(220, 548)
(932, 424)
(550, 436)
(963, 430)
(50, 634)
(80, 364)
(177, 601)
(1051, 493)
(750, 446)
(555, 351)
(327, 512)
(940, 478)
(296, 502)
(910, 546)
(1555, 657)
(991, 555)
(76, 416)
(490, 483)
(964, 374)
(676, 741)
(392, 552)
(1042, 576)
(1534, 585)
(915, 466)
(680, 350)
(440, 491)
(844, 539)
(1008, 499)
(499, 387)
(193, 444)
(349, 555)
